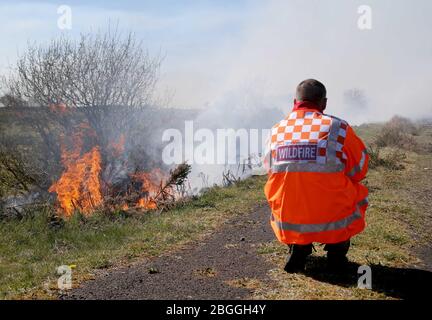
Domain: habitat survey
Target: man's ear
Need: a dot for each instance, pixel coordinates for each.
(324, 104)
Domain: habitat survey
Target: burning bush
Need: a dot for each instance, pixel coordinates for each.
(107, 178)
(93, 97)
(64, 160)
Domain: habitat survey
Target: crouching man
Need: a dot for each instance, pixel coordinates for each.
(315, 164)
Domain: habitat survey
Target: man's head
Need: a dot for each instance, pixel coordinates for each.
(313, 91)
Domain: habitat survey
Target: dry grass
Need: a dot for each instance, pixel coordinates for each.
(248, 283)
(206, 272)
(388, 158)
(398, 222)
(31, 250)
(400, 206)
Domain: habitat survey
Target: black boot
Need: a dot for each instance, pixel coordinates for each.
(336, 255)
(297, 257)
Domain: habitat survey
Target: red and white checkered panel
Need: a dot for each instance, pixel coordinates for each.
(341, 140)
(308, 127)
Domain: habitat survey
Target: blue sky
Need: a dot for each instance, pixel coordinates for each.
(258, 48)
(181, 30)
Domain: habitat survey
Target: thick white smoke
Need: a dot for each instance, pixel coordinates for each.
(236, 62)
(213, 48)
(284, 42)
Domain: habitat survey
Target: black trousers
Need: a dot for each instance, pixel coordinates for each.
(339, 249)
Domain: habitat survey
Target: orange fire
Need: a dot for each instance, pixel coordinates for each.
(151, 183)
(147, 203)
(79, 186)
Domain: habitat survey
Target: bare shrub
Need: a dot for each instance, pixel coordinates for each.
(356, 98)
(105, 79)
(229, 178)
(398, 132)
(17, 174)
(22, 184)
(102, 69)
(392, 159)
(404, 125)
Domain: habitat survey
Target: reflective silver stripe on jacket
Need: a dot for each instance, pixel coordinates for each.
(363, 202)
(358, 168)
(332, 141)
(306, 167)
(319, 227)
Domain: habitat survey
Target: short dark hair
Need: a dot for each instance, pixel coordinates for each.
(311, 90)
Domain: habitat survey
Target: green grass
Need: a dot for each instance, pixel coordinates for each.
(31, 250)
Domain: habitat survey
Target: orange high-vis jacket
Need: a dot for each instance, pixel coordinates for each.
(315, 164)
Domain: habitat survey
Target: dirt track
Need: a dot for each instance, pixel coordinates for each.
(226, 265)
(198, 271)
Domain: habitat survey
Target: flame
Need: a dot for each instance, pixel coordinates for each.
(151, 183)
(79, 186)
(150, 180)
(147, 204)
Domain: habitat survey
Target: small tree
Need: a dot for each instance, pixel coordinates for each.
(104, 69)
(398, 132)
(355, 98)
(105, 79)
(105, 75)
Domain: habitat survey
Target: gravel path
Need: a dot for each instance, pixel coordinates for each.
(226, 265)
(203, 270)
